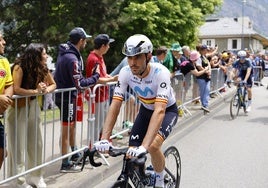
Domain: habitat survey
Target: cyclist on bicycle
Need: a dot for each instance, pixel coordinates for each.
(158, 112)
(242, 70)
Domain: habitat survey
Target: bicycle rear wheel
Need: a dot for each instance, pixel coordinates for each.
(172, 167)
(245, 102)
(234, 106)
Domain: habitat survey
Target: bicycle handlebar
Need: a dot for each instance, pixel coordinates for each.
(114, 152)
(239, 83)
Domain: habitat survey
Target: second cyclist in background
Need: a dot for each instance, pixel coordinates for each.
(158, 112)
(242, 71)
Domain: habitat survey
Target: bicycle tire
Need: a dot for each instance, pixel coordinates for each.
(234, 106)
(172, 167)
(245, 100)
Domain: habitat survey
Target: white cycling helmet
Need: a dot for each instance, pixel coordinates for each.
(137, 44)
(242, 54)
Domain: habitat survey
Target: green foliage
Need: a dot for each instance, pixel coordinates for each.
(50, 21)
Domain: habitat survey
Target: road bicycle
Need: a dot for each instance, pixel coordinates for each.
(134, 171)
(239, 100)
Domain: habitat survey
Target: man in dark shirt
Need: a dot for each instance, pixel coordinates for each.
(68, 74)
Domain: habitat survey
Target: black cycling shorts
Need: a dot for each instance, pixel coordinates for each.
(68, 110)
(142, 121)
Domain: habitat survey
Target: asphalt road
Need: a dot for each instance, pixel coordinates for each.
(218, 152)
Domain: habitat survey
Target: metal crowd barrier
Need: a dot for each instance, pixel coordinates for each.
(187, 91)
(258, 75)
(93, 115)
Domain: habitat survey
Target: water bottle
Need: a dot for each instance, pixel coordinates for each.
(151, 173)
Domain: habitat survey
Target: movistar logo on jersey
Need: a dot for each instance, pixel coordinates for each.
(144, 92)
(136, 137)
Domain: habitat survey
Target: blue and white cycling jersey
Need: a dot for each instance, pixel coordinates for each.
(155, 87)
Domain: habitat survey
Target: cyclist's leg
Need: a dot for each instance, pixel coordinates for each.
(157, 156)
(249, 91)
(158, 160)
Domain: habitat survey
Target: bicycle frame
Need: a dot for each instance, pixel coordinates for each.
(133, 170)
(242, 92)
(238, 100)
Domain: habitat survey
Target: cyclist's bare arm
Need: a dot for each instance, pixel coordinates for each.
(248, 74)
(111, 117)
(155, 123)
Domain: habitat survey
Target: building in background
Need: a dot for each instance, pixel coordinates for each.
(232, 34)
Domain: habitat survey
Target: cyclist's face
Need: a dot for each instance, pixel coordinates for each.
(137, 63)
(242, 59)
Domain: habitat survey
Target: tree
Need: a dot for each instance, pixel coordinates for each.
(50, 21)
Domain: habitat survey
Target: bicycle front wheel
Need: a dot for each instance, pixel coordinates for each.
(172, 167)
(234, 106)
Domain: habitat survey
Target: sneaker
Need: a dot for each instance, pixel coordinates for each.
(248, 109)
(69, 168)
(205, 109)
(38, 182)
(76, 157)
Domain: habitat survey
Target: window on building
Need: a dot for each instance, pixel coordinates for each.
(209, 42)
(234, 44)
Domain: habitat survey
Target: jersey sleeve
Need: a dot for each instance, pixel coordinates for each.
(164, 88)
(122, 83)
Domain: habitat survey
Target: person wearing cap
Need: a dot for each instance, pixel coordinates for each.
(172, 58)
(204, 79)
(96, 57)
(68, 74)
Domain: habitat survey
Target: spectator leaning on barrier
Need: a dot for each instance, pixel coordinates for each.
(204, 79)
(31, 77)
(188, 66)
(101, 47)
(6, 91)
(68, 74)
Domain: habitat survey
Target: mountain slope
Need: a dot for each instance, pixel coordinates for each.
(256, 10)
